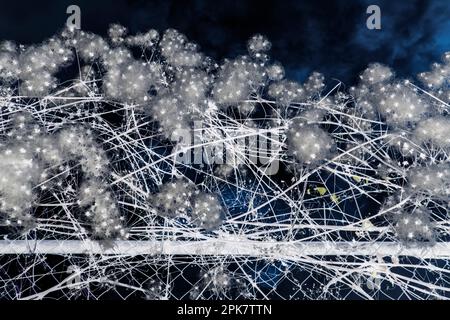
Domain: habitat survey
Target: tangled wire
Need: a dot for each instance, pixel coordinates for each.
(137, 167)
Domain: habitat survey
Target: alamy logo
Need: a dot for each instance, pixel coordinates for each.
(75, 279)
(74, 20)
(204, 146)
(374, 20)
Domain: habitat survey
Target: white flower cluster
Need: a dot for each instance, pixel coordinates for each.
(19, 175)
(129, 80)
(174, 199)
(181, 199)
(35, 66)
(178, 51)
(89, 46)
(207, 212)
(414, 227)
(397, 102)
(275, 71)
(101, 210)
(258, 45)
(29, 157)
(79, 143)
(237, 80)
(144, 40)
(186, 100)
(117, 33)
(23, 158)
(216, 281)
(434, 131)
(433, 180)
(9, 62)
(286, 92)
(401, 105)
(439, 76)
(191, 87)
(309, 143)
(126, 79)
(314, 84)
(376, 73)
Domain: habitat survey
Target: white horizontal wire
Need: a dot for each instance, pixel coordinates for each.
(217, 247)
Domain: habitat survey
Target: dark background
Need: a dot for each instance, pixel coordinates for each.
(327, 36)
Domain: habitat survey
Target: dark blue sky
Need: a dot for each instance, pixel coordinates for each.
(328, 36)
